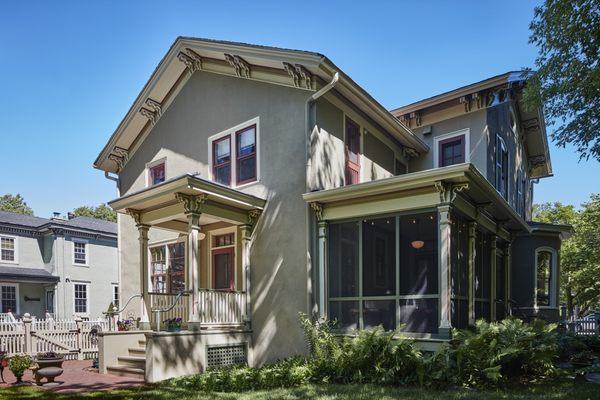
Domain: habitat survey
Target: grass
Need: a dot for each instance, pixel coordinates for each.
(559, 391)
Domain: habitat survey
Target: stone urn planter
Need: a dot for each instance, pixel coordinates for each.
(49, 366)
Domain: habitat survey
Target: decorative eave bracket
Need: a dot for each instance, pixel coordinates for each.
(449, 191)
(241, 66)
(301, 77)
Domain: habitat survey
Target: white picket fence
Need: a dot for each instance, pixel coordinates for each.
(71, 338)
(587, 326)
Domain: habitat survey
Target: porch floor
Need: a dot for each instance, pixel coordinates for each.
(78, 377)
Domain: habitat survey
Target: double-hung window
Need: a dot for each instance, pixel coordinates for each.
(156, 172)
(8, 298)
(80, 256)
(81, 298)
(545, 294)
(234, 155)
(8, 249)
(352, 148)
(501, 167)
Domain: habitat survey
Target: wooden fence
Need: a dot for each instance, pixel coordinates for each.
(587, 326)
(71, 338)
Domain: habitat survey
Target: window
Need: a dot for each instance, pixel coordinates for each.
(233, 155)
(352, 149)
(223, 261)
(383, 271)
(545, 295)
(246, 155)
(81, 298)
(115, 299)
(8, 249)
(501, 167)
(222, 161)
(50, 301)
(156, 172)
(451, 151)
(167, 268)
(80, 252)
(9, 298)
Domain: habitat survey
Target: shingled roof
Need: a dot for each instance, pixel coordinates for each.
(86, 223)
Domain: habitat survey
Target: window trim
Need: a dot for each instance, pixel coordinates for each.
(87, 252)
(16, 249)
(466, 132)
(553, 303)
(87, 297)
(16, 286)
(153, 164)
(232, 133)
(214, 166)
(347, 161)
(118, 292)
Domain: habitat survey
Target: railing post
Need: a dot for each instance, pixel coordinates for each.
(444, 269)
(79, 325)
(28, 342)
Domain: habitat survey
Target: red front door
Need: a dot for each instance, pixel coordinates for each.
(223, 272)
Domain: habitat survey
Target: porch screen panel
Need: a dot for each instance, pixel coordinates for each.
(343, 274)
(419, 315)
(379, 312)
(379, 257)
(500, 287)
(459, 274)
(482, 275)
(418, 254)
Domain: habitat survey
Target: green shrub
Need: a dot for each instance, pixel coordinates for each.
(18, 364)
(499, 352)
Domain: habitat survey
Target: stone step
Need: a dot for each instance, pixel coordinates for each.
(121, 370)
(142, 342)
(132, 361)
(137, 351)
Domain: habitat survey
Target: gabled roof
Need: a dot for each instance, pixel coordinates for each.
(295, 68)
(532, 120)
(10, 219)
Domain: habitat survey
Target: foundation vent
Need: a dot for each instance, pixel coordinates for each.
(224, 355)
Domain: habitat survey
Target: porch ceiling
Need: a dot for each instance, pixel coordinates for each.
(462, 185)
(158, 205)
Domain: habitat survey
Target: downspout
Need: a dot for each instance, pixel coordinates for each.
(107, 175)
(310, 123)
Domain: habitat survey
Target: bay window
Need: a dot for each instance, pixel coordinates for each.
(234, 155)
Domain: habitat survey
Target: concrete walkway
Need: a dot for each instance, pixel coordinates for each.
(78, 377)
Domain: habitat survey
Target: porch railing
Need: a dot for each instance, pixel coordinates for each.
(222, 307)
(168, 302)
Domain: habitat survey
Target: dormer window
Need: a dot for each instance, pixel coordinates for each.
(156, 172)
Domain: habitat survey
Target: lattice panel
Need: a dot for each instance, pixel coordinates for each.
(221, 356)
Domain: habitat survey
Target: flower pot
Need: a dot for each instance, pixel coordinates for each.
(173, 328)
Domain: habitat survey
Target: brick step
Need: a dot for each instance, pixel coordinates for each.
(137, 351)
(132, 361)
(121, 370)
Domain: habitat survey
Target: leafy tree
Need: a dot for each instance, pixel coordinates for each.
(567, 80)
(101, 212)
(580, 254)
(15, 204)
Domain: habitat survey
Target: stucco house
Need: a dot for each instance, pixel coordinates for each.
(258, 182)
(63, 267)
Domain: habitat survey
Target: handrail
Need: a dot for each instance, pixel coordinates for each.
(112, 313)
(164, 310)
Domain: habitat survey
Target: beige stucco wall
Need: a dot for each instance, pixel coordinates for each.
(209, 104)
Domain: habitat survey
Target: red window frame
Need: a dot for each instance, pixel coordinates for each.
(441, 143)
(352, 147)
(239, 159)
(216, 165)
(231, 252)
(151, 173)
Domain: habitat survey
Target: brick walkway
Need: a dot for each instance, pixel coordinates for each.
(77, 378)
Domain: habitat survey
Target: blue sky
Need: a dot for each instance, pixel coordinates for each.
(69, 72)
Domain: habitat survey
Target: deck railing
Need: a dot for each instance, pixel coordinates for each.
(167, 301)
(219, 307)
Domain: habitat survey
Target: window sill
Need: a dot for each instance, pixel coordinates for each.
(9, 262)
(81, 265)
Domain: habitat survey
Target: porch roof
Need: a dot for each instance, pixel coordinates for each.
(422, 189)
(23, 274)
(158, 204)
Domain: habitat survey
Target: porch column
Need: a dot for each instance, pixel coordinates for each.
(507, 282)
(143, 241)
(444, 269)
(471, 271)
(322, 251)
(493, 255)
(246, 237)
(192, 206)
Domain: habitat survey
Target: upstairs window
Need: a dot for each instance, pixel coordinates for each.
(451, 151)
(234, 155)
(8, 249)
(352, 148)
(246, 155)
(501, 167)
(156, 172)
(80, 253)
(222, 161)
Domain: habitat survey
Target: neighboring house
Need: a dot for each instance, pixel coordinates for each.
(64, 267)
(264, 182)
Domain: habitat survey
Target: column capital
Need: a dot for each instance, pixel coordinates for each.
(137, 217)
(318, 209)
(192, 204)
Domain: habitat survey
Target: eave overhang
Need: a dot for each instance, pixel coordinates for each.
(158, 196)
(294, 68)
(563, 231)
(463, 180)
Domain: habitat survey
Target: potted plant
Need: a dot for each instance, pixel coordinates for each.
(125, 325)
(18, 365)
(173, 324)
